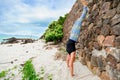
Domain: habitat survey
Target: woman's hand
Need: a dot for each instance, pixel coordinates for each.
(84, 2)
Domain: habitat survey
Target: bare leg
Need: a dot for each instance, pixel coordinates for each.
(68, 59)
(72, 59)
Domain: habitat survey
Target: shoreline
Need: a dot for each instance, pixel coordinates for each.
(18, 37)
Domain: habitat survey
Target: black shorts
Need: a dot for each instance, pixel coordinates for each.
(70, 46)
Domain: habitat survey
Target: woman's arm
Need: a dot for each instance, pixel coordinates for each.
(84, 2)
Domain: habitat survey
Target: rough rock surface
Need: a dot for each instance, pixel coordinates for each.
(99, 41)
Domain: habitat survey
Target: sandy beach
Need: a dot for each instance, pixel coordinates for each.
(14, 55)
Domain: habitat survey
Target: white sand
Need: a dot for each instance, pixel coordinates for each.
(41, 58)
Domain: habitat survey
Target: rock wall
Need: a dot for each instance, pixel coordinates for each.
(99, 41)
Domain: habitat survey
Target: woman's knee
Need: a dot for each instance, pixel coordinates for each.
(67, 57)
(71, 64)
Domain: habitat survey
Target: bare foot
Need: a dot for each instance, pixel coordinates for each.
(73, 75)
(68, 66)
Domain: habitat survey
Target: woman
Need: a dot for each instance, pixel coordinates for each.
(75, 32)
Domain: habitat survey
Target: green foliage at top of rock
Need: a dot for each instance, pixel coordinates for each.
(55, 30)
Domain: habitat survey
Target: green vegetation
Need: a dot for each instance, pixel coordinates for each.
(2, 74)
(42, 74)
(50, 77)
(5, 73)
(29, 71)
(55, 30)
